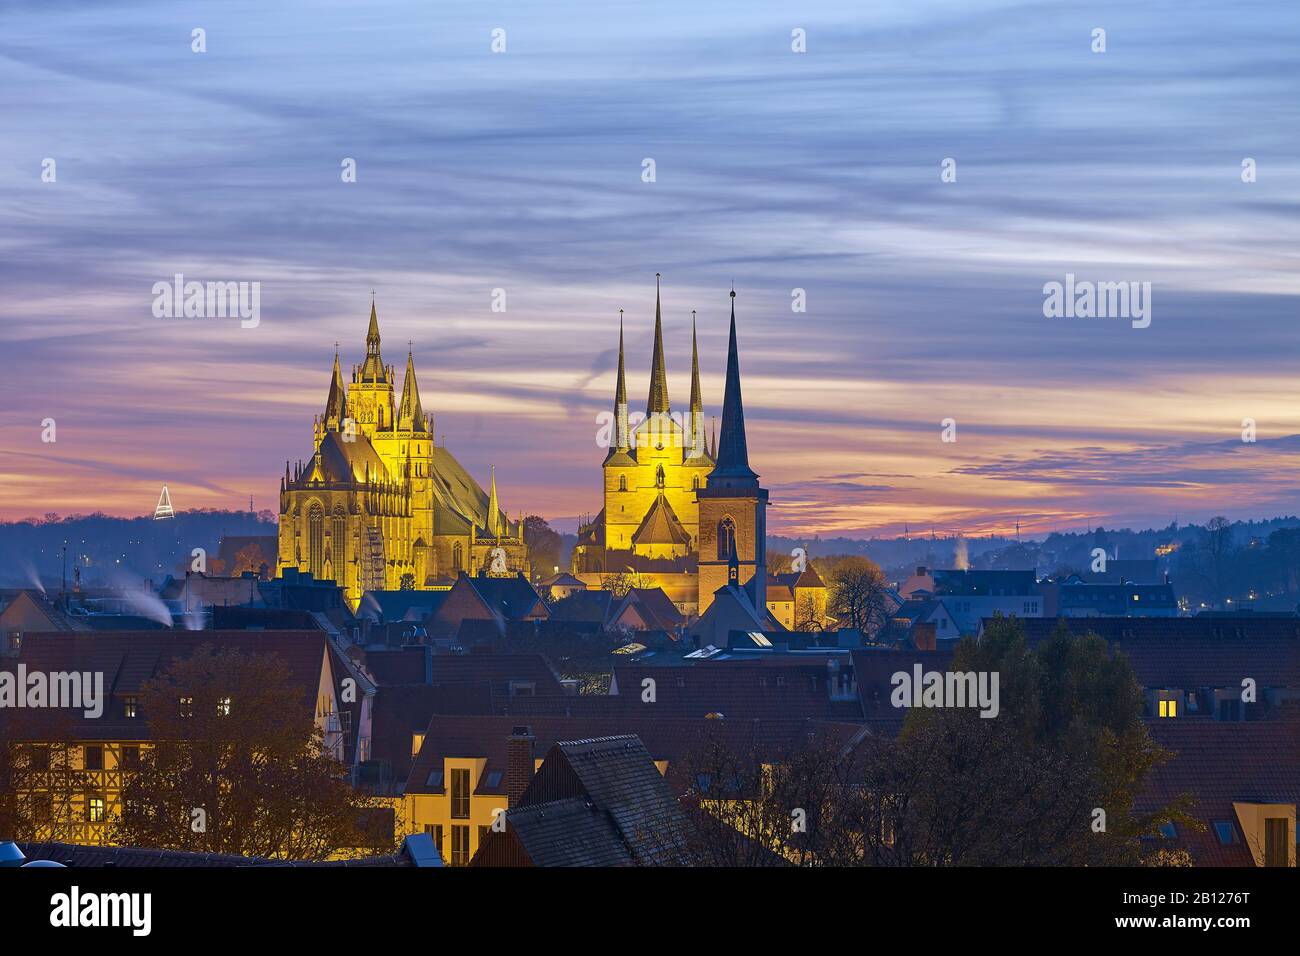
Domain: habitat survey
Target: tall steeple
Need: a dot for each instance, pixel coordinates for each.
(620, 396)
(732, 469)
(494, 509)
(336, 403)
(372, 370)
(410, 416)
(698, 442)
(657, 403)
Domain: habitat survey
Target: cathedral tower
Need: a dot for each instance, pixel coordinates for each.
(732, 508)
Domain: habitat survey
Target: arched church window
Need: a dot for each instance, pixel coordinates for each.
(659, 477)
(457, 557)
(695, 483)
(316, 540)
(622, 482)
(726, 538)
(339, 545)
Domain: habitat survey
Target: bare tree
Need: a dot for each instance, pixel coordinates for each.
(859, 596)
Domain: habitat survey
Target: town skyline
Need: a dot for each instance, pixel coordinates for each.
(818, 176)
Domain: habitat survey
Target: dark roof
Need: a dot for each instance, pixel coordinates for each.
(1126, 570)
(807, 578)
(984, 583)
(1193, 652)
(129, 658)
(240, 618)
(511, 597)
(403, 665)
(400, 605)
(661, 525)
(736, 689)
(874, 670)
(656, 607)
(590, 606)
(666, 738)
(401, 710)
(500, 670)
(79, 855)
(1220, 762)
(598, 802)
(563, 580)
(1129, 628)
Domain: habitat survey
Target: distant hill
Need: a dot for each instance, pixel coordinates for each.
(116, 551)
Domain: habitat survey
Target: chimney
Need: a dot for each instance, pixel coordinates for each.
(924, 636)
(519, 763)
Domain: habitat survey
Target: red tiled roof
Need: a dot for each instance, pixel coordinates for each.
(1220, 762)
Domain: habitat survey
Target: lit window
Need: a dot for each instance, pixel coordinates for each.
(130, 706)
(417, 741)
(223, 706)
(460, 844)
(459, 796)
(1169, 708)
(187, 706)
(95, 809)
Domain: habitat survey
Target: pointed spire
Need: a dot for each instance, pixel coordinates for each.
(658, 399)
(410, 416)
(620, 395)
(494, 509)
(373, 369)
(336, 403)
(698, 440)
(733, 562)
(732, 453)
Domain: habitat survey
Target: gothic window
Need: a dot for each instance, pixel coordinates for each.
(457, 557)
(316, 540)
(622, 482)
(659, 477)
(339, 541)
(726, 537)
(695, 483)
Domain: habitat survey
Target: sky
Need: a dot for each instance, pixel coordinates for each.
(524, 171)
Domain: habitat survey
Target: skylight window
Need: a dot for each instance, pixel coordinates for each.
(1225, 831)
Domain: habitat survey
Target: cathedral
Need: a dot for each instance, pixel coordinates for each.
(679, 512)
(380, 505)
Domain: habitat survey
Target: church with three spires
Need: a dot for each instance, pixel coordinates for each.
(381, 505)
(680, 512)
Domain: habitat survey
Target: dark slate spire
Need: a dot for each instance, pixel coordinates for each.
(658, 400)
(732, 454)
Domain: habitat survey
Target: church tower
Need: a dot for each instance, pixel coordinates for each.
(733, 506)
(370, 399)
